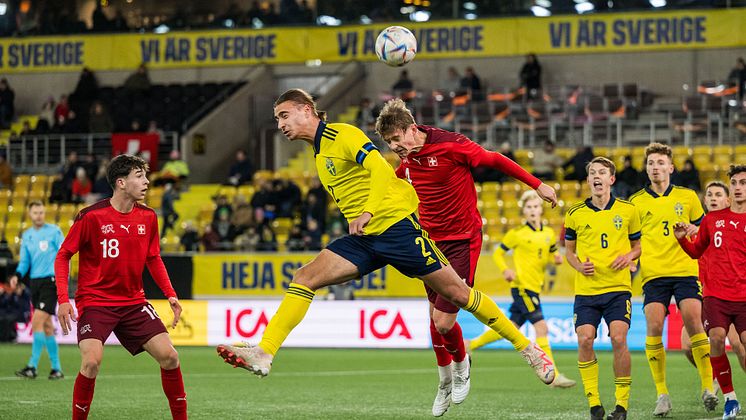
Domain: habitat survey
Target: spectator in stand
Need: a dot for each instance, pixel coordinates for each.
(337, 230)
(81, 187)
(577, 163)
(26, 129)
(288, 197)
(135, 126)
(119, 23)
(312, 235)
(472, 84)
(91, 165)
(210, 239)
(316, 189)
(531, 76)
(242, 170)
(190, 238)
(6, 173)
(139, 81)
(225, 231)
(248, 241)
(264, 202)
(15, 306)
(72, 123)
(101, 187)
(366, 114)
(295, 241)
(267, 238)
(99, 120)
(46, 116)
(86, 91)
(7, 104)
(627, 180)
(168, 212)
(737, 76)
(174, 171)
(546, 162)
(313, 209)
(70, 168)
(61, 110)
(154, 129)
(689, 176)
(221, 204)
(243, 213)
(404, 84)
(452, 84)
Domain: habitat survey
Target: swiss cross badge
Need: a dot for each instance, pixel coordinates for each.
(141, 229)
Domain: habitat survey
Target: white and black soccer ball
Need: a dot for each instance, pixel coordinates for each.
(396, 46)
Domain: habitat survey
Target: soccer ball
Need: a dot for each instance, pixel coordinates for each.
(396, 46)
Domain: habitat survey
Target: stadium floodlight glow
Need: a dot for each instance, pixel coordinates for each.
(470, 16)
(732, 102)
(3, 8)
(365, 20)
(326, 20)
(544, 3)
(584, 7)
(657, 3)
(229, 23)
(420, 16)
(161, 29)
(408, 10)
(540, 11)
(470, 5)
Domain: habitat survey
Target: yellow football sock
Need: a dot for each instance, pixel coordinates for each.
(290, 313)
(543, 342)
(656, 355)
(487, 337)
(701, 353)
(485, 310)
(589, 374)
(621, 393)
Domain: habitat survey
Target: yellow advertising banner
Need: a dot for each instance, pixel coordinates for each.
(192, 327)
(565, 34)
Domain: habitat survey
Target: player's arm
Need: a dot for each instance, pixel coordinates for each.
(627, 260)
(158, 270)
(698, 244)
(586, 267)
(508, 242)
(70, 246)
(554, 254)
(477, 156)
(23, 265)
(696, 212)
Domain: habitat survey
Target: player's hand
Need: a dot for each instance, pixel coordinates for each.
(681, 230)
(176, 308)
(621, 262)
(509, 274)
(357, 226)
(547, 194)
(65, 313)
(13, 281)
(557, 259)
(587, 268)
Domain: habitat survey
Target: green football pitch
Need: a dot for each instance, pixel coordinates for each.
(338, 384)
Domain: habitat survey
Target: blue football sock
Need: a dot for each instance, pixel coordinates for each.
(54, 352)
(36, 348)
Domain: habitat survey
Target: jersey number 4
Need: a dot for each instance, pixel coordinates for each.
(110, 248)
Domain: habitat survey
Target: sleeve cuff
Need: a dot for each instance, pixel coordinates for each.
(698, 221)
(570, 234)
(504, 248)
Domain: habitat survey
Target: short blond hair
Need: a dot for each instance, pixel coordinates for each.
(394, 116)
(528, 196)
(659, 148)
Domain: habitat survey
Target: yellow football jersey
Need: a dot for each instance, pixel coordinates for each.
(359, 179)
(532, 251)
(661, 254)
(602, 235)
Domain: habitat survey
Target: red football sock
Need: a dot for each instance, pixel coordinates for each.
(441, 354)
(454, 342)
(721, 367)
(173, 387)
(82, 396)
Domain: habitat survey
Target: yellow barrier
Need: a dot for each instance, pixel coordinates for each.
(192, 327)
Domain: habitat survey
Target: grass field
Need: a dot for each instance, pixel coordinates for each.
(338, 384)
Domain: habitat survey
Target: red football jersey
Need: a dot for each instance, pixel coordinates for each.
(114, 250)
(441, 174)
(721, 240)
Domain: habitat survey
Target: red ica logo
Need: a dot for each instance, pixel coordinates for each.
(245, 324)
(381, 326)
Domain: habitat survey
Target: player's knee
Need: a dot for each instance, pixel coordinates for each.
(444, 327)
(618, 339)
(89, 367)
(170, 360)
(303, 277)
(585, 341)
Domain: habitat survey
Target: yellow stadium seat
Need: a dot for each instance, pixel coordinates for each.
(282, 225)
(22, 183)
(490, 204)
(701, 151)
(247, 191)
(722, 159)
(490, 213)
(722, 150)
(739, 149)
(681, 151)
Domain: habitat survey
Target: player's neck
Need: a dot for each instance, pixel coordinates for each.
(122, 203)
(536, 224)
(600, 201)
(421, 138)
(738, 208)
(660, 187)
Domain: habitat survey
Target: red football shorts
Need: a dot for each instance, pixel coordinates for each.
(133, 325)
(463, 255)
(721, 313)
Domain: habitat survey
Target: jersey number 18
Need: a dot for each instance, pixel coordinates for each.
(110, 248)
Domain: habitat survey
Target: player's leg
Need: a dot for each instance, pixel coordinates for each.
(48, 296)
(688, 294)
(38, 319)
(658, 295)
(686, 346)
(163, 351)
(443, 396)
(618, 315)
(718, 317)
(587, 317)
(542, 340)
(518, 316)
(326, 269)
(737, 346)
(91, 354)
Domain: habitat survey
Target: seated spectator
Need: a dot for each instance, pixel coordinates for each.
(15, 306)
(6, 173)
(546, 162)
(452, 84)
(336, 231)
(295, 240)
(222, 204)
(99, 121)
(267, 238)
(312, 235)
(81, 187)
(472, 84)
(577, 163)
(225, 231)
(72, 123)
(264, 201)
(90, 164)
(288, 197)
(101, 187)
(46, 116)
(190, 238)
(313, 209)
(689, 176)
(249, 240)
(243, 213)
(139, 81)
(61, 109)
(26, 129)
(403, 84)
(174, 171)
(627, 180)
(530, 76)
(242, 171)
(168, 212)
(7, 104)
(210, 239)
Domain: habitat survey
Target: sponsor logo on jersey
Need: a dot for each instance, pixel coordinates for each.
(618, 222)
(679, 209)
(330, 167)
(432, 161)
(107, 228)
(43, 245)
(141, 229)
